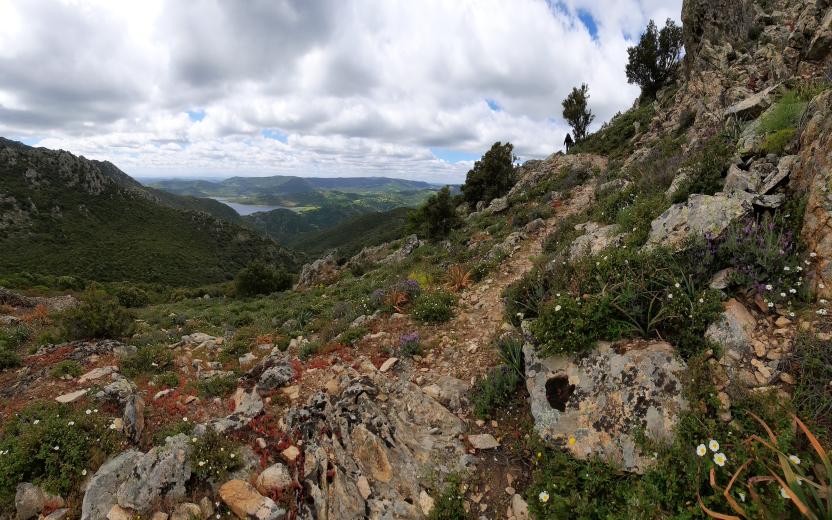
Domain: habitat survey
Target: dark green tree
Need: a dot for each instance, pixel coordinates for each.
(436, 217)
(576, 112)
(259, 278)
(492, 176)
(653, 62)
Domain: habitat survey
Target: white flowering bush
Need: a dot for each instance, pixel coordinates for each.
(213, 457)
(434, 307)
(52, 446)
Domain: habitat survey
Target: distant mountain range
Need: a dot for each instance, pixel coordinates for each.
(67, 215)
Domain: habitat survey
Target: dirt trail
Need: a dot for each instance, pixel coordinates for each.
(466, 348)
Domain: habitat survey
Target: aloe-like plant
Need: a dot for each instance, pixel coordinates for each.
(809, 491)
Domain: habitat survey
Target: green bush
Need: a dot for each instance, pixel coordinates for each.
(785, 113)
(576, 111)
(776, 142)
(706, 169)
(309, 349)
(213, 457)
(259, 278)
(614, 138)
(450, 505)
(434, 307)
(98, 316)
(219, 386)
(627, 293)
(132, 297)
(9, 359)
(492, 176)
(168, 379)
(495, 391)
(67, 367)
(524, 297)
(52, 446)
(150, 359)
(351, 335)
(436, 217)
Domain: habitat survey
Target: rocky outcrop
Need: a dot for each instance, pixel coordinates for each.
(160, 474)
(814, 175)
(100, 495)
(701, 214)
(321, 271)
(595, 239)
(715, 21)
(594, 405)
(381, 432)
(535, 172)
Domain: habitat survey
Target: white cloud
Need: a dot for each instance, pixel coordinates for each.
(356, 87)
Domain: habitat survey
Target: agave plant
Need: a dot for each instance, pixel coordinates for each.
(809, 491)
(458, 278)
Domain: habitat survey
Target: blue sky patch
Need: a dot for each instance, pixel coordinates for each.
(589, 22)
(275, 134)
(453, 156)
(30, 140)
(493, 105)
(196, 115)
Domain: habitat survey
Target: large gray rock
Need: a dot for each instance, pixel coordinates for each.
(276, 376)
(160, 474)
(100, 495)
(784, 169)
(594, 404)
(134, 417)
(247, 406)
(754, 105)
(701, 214)
(498, 205)
(595, 239)
(821, 44)
(733, 328)
(30, 500)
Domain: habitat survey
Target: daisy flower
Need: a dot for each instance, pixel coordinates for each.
(794, 460)
(713, 445)
(720, 459)
(543, 496)
(701, 450)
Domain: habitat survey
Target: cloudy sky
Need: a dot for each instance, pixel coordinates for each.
(411, 88)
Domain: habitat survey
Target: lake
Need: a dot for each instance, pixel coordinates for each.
(245, 209)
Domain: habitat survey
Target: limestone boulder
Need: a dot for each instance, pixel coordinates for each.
(595, 404)
(100, 495)
(734, 327)
(595, 239)
(701, 214)
(160, 474)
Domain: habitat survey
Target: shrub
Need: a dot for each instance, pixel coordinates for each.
(150, 359)
(492, 176)
(706, 169)
(776, 142)
(409, 344)
(66, 368)
(259, 278)
(169, 379)
(763, 253)
(653, 61)
(436, 217)
(576, 112)
(9, 359)
(132, 297)
(52, 446)
(434, 307)
(524, 297)
(351, 335)
(213, 457)
(626, 293)
(450, 505)
(458, 278)
(785, 113)
(219, 386)
(495, 391)
(309, 349)
(98, 316)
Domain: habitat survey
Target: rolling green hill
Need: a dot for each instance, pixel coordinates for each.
(66, 215)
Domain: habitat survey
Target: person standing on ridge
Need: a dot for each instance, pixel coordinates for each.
(568, 142)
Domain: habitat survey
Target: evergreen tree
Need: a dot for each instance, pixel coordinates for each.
(576, 112)
(492, 176)
(653, 62)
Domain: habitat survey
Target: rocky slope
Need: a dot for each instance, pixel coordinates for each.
(332, 413)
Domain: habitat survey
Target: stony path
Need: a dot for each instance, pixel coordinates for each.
(466, 342)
